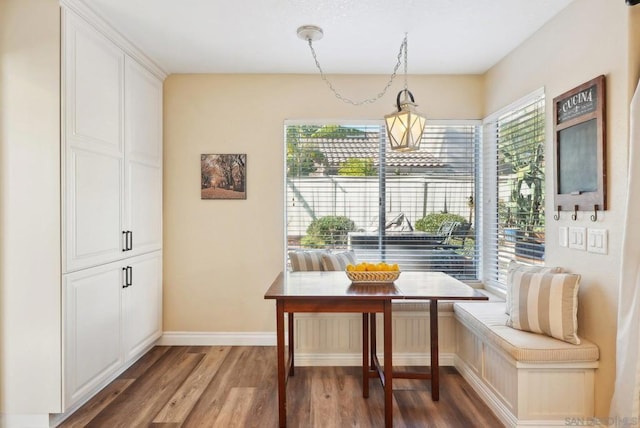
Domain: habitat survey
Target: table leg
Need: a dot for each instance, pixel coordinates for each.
(373, 334)
(282, 385)
(435, 369)
(365, 355)
(388, 367)
(291, 354)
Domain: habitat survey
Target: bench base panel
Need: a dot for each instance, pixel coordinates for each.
(341, 334)
(525, 394)
(355, 359)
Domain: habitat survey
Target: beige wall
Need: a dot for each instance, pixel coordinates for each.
(587, 39)
(634, 47)
(220, 256)
(30, 325)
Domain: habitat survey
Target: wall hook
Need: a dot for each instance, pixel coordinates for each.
(594, 216)
(556, 216)
(574, 216)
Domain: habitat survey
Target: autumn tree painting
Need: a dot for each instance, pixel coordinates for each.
(223, 176)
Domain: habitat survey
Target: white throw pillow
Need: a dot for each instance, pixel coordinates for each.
(546, 303)
(338, 261)
(514, 272)
(303, 260)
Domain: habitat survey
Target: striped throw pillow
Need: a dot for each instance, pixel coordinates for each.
(516, 270)
(546, 303)
(338, 261)
(306, 260)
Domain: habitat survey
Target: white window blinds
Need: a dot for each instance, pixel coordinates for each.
(345, 189)
(513, 186)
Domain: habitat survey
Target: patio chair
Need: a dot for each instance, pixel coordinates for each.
(449, 230)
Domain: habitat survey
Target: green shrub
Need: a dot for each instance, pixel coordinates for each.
(358, 167)
(328, 231)
(310, 241)
(431, 222)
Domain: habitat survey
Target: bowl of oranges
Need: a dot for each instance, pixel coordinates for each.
(373, 273)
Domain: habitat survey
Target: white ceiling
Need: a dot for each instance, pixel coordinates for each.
(360, 36)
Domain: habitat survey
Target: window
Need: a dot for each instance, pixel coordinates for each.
(345, 189)
(513, 187)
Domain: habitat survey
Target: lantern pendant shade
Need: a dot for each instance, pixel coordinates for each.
(405, 127)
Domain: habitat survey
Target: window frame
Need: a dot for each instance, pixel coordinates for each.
(489, 265)
(379, 123)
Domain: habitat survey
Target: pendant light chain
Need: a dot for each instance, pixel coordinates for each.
(403, 49)
(405, 45)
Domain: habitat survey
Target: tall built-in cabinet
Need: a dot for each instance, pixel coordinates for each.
(112, 208)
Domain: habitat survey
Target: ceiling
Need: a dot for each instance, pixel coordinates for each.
(360, 36)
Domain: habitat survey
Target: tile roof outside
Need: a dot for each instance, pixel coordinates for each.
(338, 150)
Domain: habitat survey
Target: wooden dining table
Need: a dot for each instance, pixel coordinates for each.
(331, 292)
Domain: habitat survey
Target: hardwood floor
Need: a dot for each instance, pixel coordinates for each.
(221, 386)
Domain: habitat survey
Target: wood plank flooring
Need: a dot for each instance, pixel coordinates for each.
(221, 386)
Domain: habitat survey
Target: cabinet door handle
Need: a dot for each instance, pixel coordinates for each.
(128, 276)
(127, 240)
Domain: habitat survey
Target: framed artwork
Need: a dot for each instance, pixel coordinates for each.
(223, 176)
(580, 148)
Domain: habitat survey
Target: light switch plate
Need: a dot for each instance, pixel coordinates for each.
(577, 238)
(597, 241)
(563, 236)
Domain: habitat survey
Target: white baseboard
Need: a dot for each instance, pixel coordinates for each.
(189, 338)
(181, 338)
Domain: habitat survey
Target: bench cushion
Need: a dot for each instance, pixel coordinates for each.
(420, 306)
(411, 305)
(488, 321)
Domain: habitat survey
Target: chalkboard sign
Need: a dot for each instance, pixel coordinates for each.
(579, 142)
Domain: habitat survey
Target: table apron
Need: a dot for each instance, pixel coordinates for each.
(334, 305)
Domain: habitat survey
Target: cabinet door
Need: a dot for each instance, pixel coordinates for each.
(142, 304)
(92, 329)
(143, 144)
(93, 170)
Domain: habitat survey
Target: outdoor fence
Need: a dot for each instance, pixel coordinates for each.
(357, 198)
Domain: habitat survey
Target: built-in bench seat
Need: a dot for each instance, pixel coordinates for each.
(443, 305)
(527, 379)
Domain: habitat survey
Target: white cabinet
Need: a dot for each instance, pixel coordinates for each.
(93, 146)
(112, 313)
(92, 333)
(142, 304)
(143, 143)
(112, 208)
(112, 151)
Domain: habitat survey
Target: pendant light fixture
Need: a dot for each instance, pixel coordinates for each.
(405, 126)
